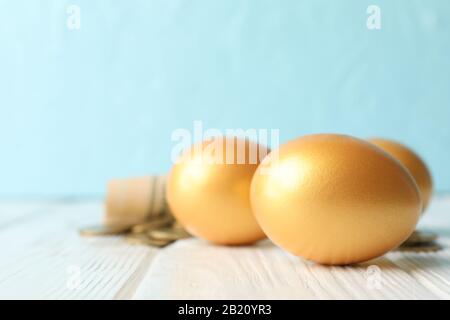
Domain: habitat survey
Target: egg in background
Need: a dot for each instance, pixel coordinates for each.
(208, 191)
(412, 161)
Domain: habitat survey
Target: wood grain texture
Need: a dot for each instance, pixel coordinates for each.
(43, 257)
(193, 269)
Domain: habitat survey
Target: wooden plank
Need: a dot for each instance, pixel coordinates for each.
(44, 257)
(194, 269)
(13, 211)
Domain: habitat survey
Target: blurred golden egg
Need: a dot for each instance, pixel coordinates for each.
(208, 190)
(412, 161)
(334, 199)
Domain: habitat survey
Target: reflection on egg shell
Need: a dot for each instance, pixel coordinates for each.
(334, 199)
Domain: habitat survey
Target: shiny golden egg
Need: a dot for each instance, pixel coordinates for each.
(208, 190)
(334, 199)
(412, 161)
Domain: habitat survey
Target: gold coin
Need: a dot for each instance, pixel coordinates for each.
(179, 227)
(168, 234)
(430, 247)
(419, 237)
(151, 225)
(177, 224)
(102, 230)
(142, 239)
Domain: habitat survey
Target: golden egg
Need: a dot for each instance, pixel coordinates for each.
(334, 199)
(412, 161)
(208, 190)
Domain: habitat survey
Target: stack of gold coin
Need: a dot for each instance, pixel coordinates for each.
(134, 200)
(136, 208)
(420, 241)
(158, 232)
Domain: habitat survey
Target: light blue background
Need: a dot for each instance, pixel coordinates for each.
(80, 107)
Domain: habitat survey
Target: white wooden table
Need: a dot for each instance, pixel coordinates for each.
(43, 257)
